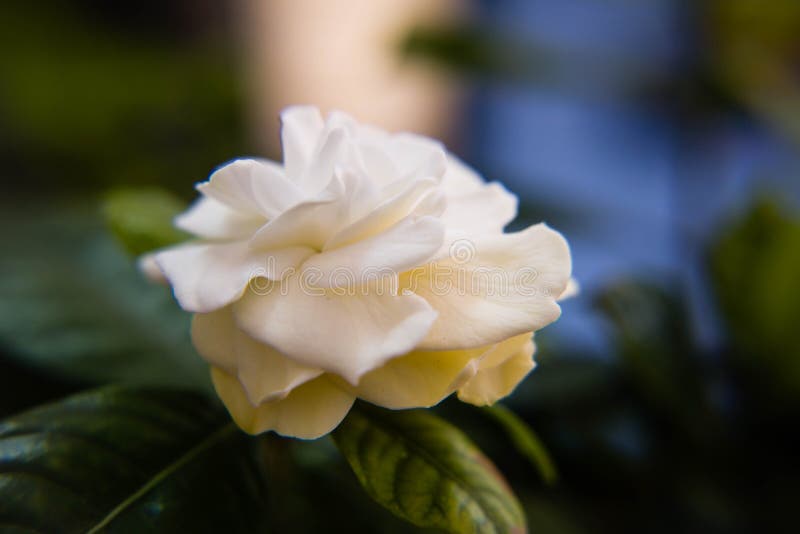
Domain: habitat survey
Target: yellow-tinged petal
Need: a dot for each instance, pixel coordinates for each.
(500, 372)
(308, 412)
(506, 285)
(346, 334)
(265, 374)
(419, 379)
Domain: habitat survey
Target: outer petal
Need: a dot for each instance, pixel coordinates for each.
(263, 372)
(208, 276)
(308, 412)
(485, 210)
(494, 380)
(213, 336)
(252, 187)
(212, 219)
(460, 178)
(417, 156)
(348, 334)
(573, 289)
(412, 241)
(419, 379)
(509, 286)
(148, 266)
(301, 127)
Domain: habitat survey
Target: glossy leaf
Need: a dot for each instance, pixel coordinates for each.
(427, 471)
(120, 460)
(142, 218)
(525, 441)
(74, 304)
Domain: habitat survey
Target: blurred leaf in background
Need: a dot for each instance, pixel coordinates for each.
(756, 274)
(74, 304)
(93, 104)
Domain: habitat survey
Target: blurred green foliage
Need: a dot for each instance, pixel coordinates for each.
(142, 219)
(756, 274)
(92, 106)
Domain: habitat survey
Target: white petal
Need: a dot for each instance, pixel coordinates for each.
(508, 287)
(263, 372)
(416, 156)
(324, 160)
(252, 187)
(148, 266)
(573, 289)
(493, 382)
(348, 334)
(309, 223)
(374, 161)
(208, 276)
(419, 379)
(460, 178)
(412, 241)
(487, 209)
(213, 336)
(388, 213)
(308, 412)
(212, 219)
(301, 127)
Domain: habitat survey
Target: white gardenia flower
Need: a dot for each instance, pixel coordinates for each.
(368, 265)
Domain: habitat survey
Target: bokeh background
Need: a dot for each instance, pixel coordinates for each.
(662, 137)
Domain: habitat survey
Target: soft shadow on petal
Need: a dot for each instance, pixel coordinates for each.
(253, 187)
(507, 287)
(412, 241)
(326, 157)
(212, 219)
(263, 372)
(308, 412)
(310, 223)
(388, 213)
(573, 289)
(460, 178)
(493, 382)
(486, 210)
(419, 379)
(346, 332)
(417, 156)
(213, 336)
(208, 276)
(148, 266)
(301, 127)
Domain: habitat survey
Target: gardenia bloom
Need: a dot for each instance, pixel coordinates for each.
(368, 265)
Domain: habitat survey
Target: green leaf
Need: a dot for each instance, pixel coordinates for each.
(525, 441)
(755, 268)
(650, 326)
(427, 471)
(74, 304)
(142, 218)
(121, 460)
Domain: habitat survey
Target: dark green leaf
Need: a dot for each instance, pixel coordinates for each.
(525, 441)
(427, 471)
(72, 303)
(118, 460)
(142, 218)
(654, 340)
(755, 270)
